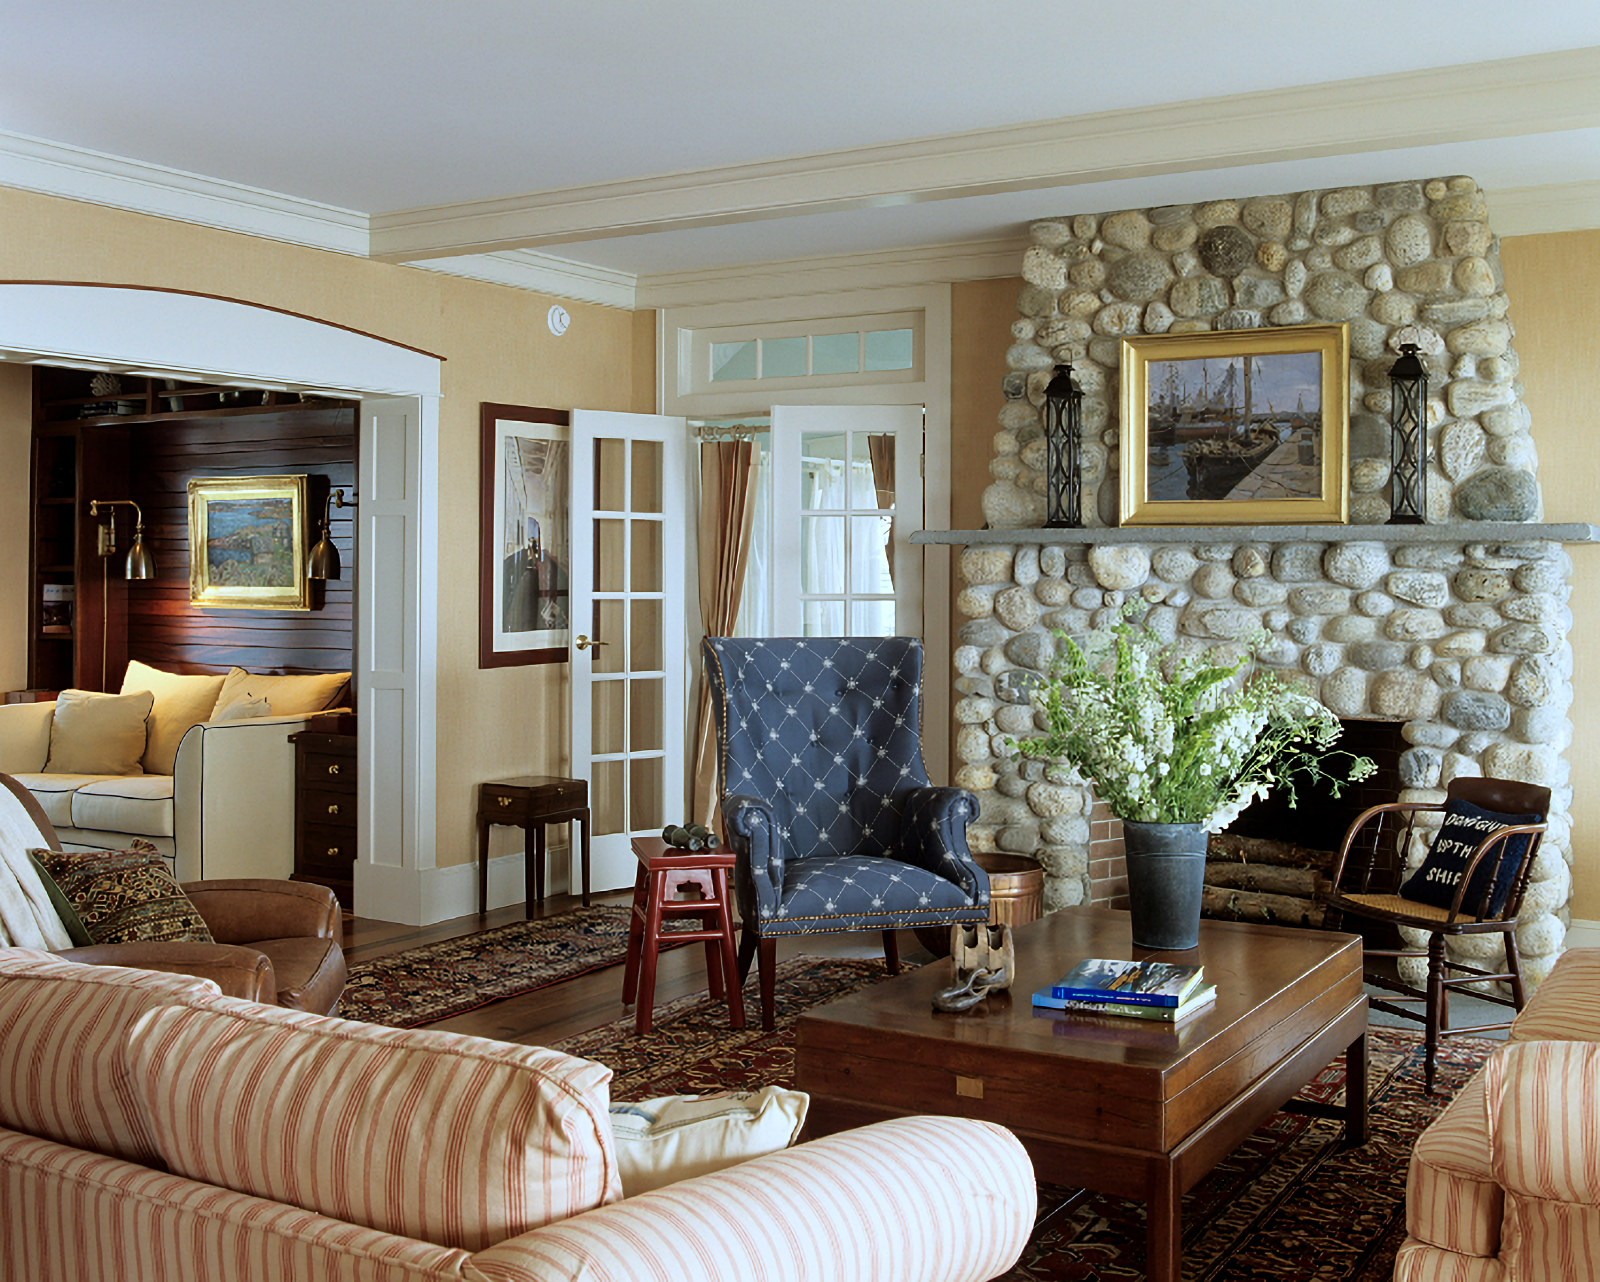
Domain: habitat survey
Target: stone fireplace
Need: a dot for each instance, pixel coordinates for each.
(1456, 630)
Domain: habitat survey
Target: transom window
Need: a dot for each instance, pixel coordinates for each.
(821, 353)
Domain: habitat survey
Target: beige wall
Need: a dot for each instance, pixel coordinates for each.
(16, 435)
(497, 347)
(1553, 283)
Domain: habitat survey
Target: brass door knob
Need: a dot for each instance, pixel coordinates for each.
(584, 643)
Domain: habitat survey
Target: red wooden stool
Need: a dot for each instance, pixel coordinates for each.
(663, 871)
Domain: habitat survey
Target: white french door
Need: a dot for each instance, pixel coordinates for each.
(630, 577)
(846, 496)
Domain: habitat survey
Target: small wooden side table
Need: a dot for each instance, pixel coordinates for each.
(531, 802)
(663, 871)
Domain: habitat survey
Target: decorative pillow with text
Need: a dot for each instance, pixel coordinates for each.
(1465, 828)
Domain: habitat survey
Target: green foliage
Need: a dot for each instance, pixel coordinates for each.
(1167, 737)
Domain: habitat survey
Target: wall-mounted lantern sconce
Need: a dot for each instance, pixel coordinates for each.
(140, 564)
(1408, 441)
(324, 563)
(1063, 419)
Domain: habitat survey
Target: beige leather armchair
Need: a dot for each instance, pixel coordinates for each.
(277, 942)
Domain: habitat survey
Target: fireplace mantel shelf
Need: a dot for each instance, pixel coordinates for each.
(1460, 532)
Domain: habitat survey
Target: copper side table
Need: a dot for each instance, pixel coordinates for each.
(531, 802)
(663, 871)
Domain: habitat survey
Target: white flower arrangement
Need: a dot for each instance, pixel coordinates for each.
(1165, 737)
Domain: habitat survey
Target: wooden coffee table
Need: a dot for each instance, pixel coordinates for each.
(1130, 1107)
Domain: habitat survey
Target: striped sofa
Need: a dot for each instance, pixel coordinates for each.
(151, 1128)
(1504, 1186)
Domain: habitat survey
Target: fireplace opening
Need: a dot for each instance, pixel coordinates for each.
(1283, 862)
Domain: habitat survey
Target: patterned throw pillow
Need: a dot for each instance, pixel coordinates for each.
(125, 896)
(1465, 828)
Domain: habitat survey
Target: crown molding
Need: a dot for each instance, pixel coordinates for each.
(921, 265)
(1534, 211)
(77, 173)
(542, 274)
(1509, 97)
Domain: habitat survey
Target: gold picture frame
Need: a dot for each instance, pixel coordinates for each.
(247, 543)
(1208, 436)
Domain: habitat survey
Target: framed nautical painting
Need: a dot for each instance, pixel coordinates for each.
(524, 555)
(1244, 427)
(247, 543)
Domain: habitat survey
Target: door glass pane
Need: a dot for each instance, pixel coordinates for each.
(732, 361)
(606, 722)
(783, 357)
(644, 716)
(610, 474)
(608, 558)
(610, 655)
(605, 796)
(644, 636)
(823, 618)
(869, 555)
(646, 573)
(822, 553)
(647, 476)
(824, 476)
(647, 811)
(888, 349)
(872, 618)
(836, 354)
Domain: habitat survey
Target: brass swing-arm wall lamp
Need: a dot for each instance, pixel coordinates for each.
(140, 564)
(324, 562)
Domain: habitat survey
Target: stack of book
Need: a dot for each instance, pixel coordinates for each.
(1142, 990)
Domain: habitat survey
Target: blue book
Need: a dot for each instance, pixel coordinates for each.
(1130, 983)
(1198, 999)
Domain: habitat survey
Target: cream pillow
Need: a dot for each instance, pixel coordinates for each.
(661, 1141)
(245, 710)
(181, 701)
(98, 734)
(290, 696)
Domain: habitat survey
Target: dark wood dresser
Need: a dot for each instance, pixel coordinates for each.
(325, 807)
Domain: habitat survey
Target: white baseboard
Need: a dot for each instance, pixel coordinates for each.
(1583, 934)
(454, 890)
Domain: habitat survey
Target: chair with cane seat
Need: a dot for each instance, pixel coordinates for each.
(1470, 885)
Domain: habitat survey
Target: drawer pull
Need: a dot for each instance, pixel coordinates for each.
(333, 852)
(504, 801)
(333, 809)
(333, 769)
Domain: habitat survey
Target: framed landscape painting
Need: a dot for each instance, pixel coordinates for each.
(524, 554)
(247, 543)
(1244, 427)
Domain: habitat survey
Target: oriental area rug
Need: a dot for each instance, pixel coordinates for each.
(1289, 1203)
(439, 981)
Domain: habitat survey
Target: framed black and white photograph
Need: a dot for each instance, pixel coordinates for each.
(525, 556)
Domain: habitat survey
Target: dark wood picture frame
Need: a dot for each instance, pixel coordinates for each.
(539, 561)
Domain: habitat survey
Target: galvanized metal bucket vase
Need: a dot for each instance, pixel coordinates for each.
(1166, 870)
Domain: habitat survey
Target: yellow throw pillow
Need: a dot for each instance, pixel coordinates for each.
(181, 701)
(98, 734)
(290, 696)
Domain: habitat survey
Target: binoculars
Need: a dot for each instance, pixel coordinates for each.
(690, 837)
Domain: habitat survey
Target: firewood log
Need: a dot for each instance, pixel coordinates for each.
(1265, 850)
(1304, 883)
(1252, 905)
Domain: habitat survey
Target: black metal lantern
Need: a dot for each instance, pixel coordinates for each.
(1063, 428)
(1408, 441)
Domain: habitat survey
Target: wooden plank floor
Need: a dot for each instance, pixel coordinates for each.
(576, 1005)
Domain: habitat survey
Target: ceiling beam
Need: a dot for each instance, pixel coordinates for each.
(1512, 97)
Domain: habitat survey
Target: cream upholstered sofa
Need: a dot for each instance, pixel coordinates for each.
(179, 1133)
(1505, 1183)
(212, 790)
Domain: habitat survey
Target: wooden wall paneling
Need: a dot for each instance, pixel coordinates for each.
(163, 628)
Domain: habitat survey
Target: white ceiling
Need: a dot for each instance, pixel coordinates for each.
(831, 127)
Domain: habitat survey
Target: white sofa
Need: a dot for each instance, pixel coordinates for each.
(227, 810)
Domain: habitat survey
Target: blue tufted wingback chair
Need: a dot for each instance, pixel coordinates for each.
(825, 799)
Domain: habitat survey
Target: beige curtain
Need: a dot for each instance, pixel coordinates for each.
(727, 513)
(880, 449)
